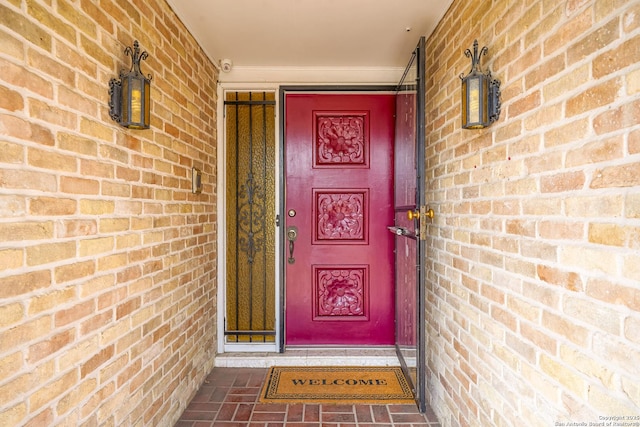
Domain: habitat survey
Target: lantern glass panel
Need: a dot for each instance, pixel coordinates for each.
(465, 111)
(484, 100)
(147, 103)
(135, 95)
(124, 116)
(474, 100)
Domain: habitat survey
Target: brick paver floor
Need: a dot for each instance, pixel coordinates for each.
(229, 397)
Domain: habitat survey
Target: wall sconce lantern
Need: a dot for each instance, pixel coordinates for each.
(480, 93)
(130, 96)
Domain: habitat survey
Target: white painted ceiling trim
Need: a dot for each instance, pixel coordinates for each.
(311, 75)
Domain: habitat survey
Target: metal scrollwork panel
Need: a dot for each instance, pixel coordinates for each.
(251, 213)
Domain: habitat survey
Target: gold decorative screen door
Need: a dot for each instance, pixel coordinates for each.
(250, 217)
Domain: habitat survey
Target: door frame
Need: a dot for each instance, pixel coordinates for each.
(281, 91)
(313, 89)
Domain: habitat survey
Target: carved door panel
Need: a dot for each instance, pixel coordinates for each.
(338, 204)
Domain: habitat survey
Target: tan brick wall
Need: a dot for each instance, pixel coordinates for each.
(534, 254)
(107, 261)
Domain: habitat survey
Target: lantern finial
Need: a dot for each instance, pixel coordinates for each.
(475, 57)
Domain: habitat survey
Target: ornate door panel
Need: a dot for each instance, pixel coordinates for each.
(339, 202)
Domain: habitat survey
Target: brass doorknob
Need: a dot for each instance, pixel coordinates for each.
(415, 214)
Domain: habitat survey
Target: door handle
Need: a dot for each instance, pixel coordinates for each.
(292, 235)
(399, 231)
(421, 215)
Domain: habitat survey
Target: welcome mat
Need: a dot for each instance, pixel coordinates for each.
(340, 385)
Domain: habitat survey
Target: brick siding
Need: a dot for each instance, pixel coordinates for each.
(533, 299)
(107, 260)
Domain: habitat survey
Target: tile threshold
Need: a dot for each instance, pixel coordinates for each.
(310, 357)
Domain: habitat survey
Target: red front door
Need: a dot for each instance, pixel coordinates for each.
(338, 204)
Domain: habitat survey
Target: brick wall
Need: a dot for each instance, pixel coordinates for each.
(107, 261)
(534, 255)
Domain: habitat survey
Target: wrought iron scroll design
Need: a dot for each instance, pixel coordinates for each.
(251, 212)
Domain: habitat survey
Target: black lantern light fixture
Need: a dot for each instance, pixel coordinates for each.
(130, 95)
(480, 93)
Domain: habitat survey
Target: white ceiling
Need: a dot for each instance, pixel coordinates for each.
(310, 33)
